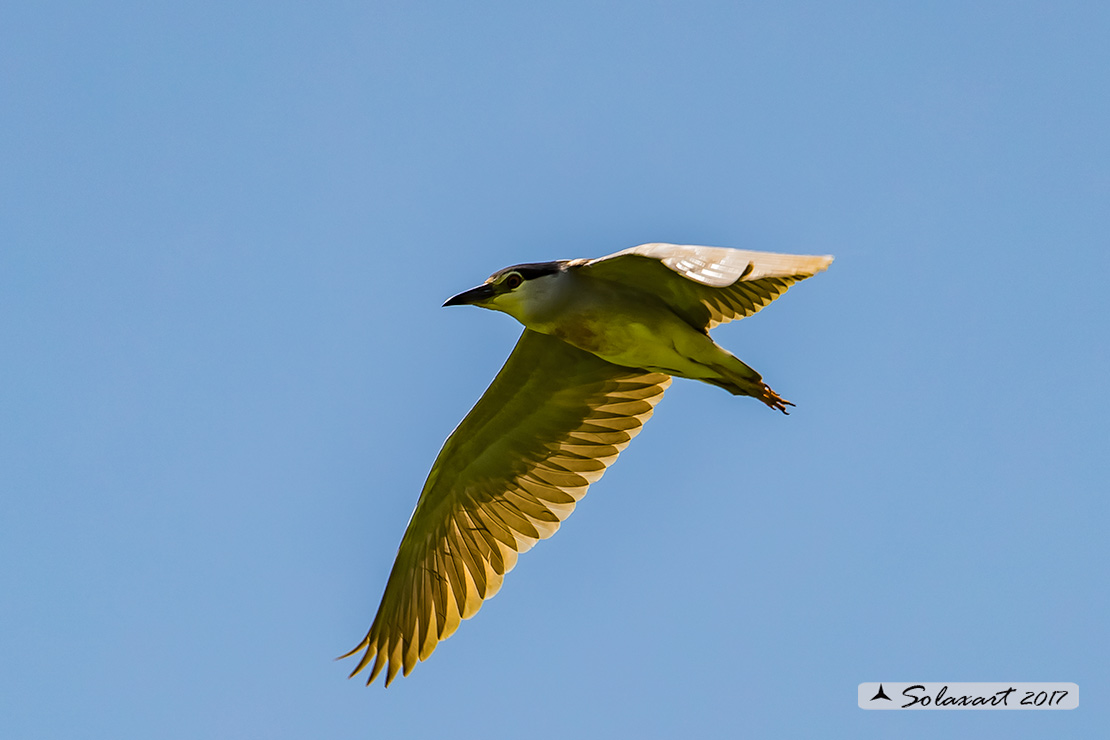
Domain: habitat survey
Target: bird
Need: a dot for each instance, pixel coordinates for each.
(602, 340)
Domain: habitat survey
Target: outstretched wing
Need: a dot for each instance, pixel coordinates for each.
(548, 426)
(707, 286)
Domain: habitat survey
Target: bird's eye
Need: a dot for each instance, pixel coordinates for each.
(513, 280)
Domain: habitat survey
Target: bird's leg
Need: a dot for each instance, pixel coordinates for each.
(748, 387)
(732, 374)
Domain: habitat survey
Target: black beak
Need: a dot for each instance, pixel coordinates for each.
(474, 295)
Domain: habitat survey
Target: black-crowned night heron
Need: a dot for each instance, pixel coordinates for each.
(602, 339)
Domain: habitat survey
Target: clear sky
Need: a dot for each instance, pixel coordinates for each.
(226, 230)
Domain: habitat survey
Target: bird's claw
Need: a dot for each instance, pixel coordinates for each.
(774, 400)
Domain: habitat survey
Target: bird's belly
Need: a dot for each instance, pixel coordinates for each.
(628, 343)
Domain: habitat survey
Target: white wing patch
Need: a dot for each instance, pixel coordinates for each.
(719, 284)
(719, 267)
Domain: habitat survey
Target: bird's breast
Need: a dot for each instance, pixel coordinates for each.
(610, 321)
(584, 332)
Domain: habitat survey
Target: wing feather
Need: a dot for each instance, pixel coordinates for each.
(435, 595)
(450, 566)
(707, 286)
(549, 425)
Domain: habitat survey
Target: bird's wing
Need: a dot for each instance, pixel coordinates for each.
(707, 286)
(547, 427)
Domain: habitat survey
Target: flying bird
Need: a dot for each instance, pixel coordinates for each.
(602, 339)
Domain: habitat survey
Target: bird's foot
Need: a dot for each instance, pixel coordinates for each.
(774, 400)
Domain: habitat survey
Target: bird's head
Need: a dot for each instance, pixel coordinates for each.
(519, 290)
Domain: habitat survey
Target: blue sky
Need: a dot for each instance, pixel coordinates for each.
(225, 235)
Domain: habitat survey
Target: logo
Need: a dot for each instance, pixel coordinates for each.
(967, 695)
